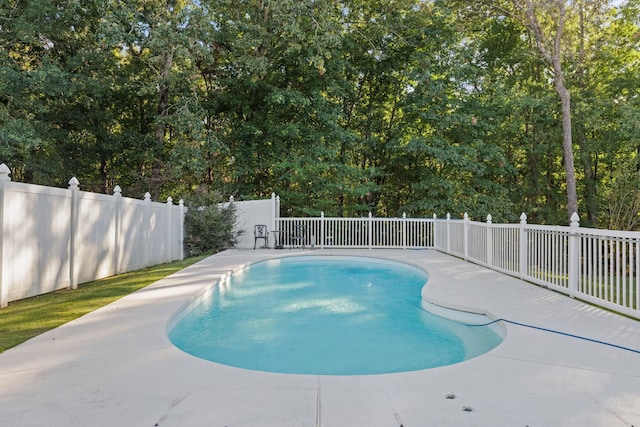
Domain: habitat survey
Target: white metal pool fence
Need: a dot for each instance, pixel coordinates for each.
(598, 266)
(55, 238)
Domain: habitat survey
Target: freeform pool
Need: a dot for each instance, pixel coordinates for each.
(324, 315)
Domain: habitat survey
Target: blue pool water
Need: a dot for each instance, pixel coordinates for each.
(325, 316)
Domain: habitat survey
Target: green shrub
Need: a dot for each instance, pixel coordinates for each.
(210, 224)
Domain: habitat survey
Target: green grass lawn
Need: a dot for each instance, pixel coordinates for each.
(25, 319)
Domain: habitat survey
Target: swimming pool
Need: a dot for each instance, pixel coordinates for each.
(324, 315)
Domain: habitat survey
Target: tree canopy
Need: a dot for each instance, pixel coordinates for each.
(348, 107)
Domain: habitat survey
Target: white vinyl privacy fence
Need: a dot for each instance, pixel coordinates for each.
(55, 238)
(597, 266)
(250, 213)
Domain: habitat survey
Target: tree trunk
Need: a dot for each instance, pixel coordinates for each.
(552, 54)
(567, 144)
(157, 178)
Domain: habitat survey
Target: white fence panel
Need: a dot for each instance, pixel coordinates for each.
(346, 232)
(95, 237)
(477, 243)
(441, 231)
(456, 237)
(419, 233)
(609, 270)
(299, 232)
(158, 227)
(133, 229)
(506, 244)
(176, 242)
(548, 252)
(389, 232)
(33, 229)
(53, 238)
(355, 232)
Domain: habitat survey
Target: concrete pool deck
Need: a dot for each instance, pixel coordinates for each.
(116, 366)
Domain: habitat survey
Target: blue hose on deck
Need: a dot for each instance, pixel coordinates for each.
(559, 333)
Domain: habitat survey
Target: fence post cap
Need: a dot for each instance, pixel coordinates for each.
(169, 200)
(448, 215)
(489, 219)
(5, 172)
(523, 218)
(147, 196)
(575, 220)
(74, 184)
(404, 214)
(181, 202)
(231, 198)
(466, 216)
(435, 216)
(117, 191)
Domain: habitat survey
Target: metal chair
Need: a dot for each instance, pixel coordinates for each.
(299, 236)
(260, 232)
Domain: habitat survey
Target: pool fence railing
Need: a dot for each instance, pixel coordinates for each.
(601, 267)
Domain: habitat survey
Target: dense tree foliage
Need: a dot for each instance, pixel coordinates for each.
(349, 107)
